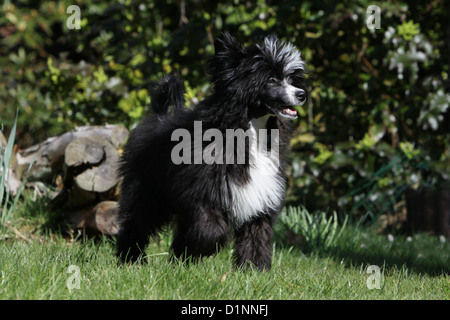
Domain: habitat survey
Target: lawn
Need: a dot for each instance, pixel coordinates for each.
(37, 262)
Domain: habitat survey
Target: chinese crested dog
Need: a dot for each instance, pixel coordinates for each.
(215, 171)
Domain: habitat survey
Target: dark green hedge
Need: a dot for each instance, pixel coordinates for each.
(377, 120)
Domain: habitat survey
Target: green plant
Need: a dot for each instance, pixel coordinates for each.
(7, 203)
(316, 230)
(5, 157)
(372, 93)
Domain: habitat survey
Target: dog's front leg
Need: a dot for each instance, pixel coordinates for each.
(253, 243)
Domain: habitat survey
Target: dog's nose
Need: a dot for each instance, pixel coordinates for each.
(300, 95)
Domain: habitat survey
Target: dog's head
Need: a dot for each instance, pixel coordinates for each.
(266, 78)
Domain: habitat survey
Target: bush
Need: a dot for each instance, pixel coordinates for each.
(311, 231)
(373, 93)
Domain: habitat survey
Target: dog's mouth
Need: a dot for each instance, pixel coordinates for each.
(287, 112)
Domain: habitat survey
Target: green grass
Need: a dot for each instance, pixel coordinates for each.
(35, 265)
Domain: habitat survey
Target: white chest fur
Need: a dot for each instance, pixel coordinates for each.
(265, 188)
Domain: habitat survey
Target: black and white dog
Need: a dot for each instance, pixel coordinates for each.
(206, 188)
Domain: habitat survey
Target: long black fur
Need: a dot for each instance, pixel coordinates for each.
(196, 198)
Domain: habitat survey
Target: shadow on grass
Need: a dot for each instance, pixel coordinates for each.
(422, 254)
(46, 219)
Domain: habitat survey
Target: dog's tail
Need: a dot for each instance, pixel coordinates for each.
(169, 93)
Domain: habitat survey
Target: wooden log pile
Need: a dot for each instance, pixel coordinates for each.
(83, 165)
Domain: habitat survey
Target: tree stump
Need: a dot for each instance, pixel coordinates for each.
(428, 209)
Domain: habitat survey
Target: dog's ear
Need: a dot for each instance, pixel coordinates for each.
(228, 55)
(228, 50)
(228, 44)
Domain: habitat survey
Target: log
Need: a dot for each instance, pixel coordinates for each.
(90, 173)
(87, 158)
(92, 162)
(12, 183)
(48, 156)
(107, 217)
(100, 218)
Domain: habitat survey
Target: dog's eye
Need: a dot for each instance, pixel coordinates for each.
(272, 80)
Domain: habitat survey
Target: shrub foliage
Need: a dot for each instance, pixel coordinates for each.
(377, 119)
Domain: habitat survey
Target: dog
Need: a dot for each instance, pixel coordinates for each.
(254, 88)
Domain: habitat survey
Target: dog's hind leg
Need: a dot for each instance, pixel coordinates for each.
(253, 243)
(131, 241)
(140, 221)
(199, 233)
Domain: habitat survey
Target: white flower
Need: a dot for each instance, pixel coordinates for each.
(390, 238)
